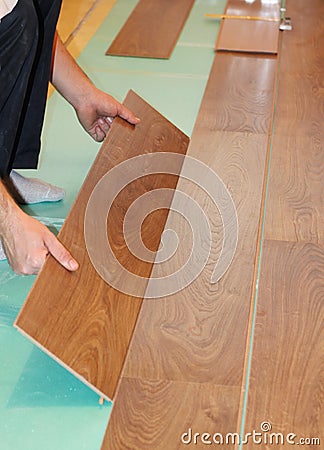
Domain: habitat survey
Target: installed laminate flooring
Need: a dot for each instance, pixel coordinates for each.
(255, 36)
(239, 103)
(188, 331)
(286, 384)
(79, 319)
(304, 46)
(296, 193)
(192, 344)
(152, 30)
(256, 8)
(164, 414)
(295, 210)
(286, 378)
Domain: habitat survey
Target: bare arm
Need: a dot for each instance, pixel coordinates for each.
(26, 241)
(94, 108)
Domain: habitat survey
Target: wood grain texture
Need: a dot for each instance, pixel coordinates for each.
(185, 337)
(287, 372)
(155, 414)
(295, 210)
(249, 35)
(286, 379)
(77, 317)
(196, 338)
(300, 109)
(239, 94)
(295, 206)
(152, 30)
(304, 46)
(256, 8)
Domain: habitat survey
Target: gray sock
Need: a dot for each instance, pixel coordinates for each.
(2, 253)
(32, 190)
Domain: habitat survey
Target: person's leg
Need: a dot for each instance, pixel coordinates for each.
(18, 44)
(28, 146)
(26, 41)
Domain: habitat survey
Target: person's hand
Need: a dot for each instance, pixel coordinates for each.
(27, 242)
(97, 111)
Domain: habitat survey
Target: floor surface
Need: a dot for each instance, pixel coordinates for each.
(41, 404)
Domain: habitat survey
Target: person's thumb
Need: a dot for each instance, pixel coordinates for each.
(60, 253)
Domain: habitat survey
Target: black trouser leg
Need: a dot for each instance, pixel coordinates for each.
(26, 41)
(18, 43)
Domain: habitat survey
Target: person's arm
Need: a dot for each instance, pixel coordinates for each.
(94, 108)
(26, 241)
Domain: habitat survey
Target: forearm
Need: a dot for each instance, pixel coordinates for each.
(8, 209)
(94, 108)
(67, 77)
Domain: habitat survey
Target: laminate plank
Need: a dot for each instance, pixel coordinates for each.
(78, 318)
(156, 414)
(286, 378)
(197, 336)
(250, 36)
(295, 205)
(303, 47)
(300, 106)
(239, 93)
(152, 29)
(257, 8)
(286, 382)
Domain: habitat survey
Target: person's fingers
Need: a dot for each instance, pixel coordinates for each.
(99, 135)
(126, 114)
(60, 253)
(104, 125)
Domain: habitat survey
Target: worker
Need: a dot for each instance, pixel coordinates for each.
(31, 55)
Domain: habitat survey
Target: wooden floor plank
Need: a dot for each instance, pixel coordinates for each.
(190, 332)
(303, 47)
(239, 93)
(164, 415)
(286, 378)
(286, 384)
(295, 210)
(78, 318)
(197, 337)
(248, 36)
(256, 8)
(252, 36)
(152, 30)
(300, 108)
(295, 206)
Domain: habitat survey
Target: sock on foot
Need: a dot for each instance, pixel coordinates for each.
(2, 253)
(33, 190)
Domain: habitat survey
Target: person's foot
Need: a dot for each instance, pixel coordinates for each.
(32, 190)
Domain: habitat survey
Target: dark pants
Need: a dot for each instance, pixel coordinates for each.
(26, 41)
